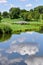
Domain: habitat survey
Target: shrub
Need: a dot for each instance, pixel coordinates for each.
(42, 16)
(0, 18)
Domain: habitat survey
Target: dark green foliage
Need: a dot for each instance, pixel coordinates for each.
(5, 29)
(33, 14)
(0, 17)
(0, 13)
(5, 14)
(14, 13)
(36, 15)
(31, 10)
(42, 16)
(39, 9)
(30, 15)
(22, 11)
(1, 32)
(41, 28)
(25, 16)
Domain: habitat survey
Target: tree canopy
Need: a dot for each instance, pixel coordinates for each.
(39, 9)
(14, 13)
(5, 14)
(0, 16)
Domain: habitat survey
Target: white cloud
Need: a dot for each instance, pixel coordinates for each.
(34, 61)
(3, 1)
(28, 5)
(23, 48)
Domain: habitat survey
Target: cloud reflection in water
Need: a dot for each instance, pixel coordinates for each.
(23, 48)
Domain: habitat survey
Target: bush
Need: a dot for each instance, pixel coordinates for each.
(36, 15)
(42, 16)
(25, 16)
(7, 30)
(5, 14)
(1, 31)
(41, 29)
(4, 28)
(0, 18)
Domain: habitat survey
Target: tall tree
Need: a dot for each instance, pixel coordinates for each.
(14, 13)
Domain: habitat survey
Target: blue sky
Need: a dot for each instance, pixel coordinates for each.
(5, 5)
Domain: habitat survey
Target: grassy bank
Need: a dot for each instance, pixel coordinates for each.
(7, 26)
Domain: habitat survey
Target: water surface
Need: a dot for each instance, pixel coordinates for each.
(21, 49)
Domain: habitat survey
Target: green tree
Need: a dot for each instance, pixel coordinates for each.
(14, 13)
(5, 14)
(27, 16)
(31, 10)
(23, 11)
(36, 15)
(30, 15)
(39, 9)
(0, 17)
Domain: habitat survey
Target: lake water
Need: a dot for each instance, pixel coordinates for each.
(21, 49)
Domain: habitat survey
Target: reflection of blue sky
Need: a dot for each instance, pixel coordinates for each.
(26, 47)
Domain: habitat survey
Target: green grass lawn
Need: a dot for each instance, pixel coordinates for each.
(32, 26)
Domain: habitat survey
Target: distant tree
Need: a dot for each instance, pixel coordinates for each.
(5, 14)
(36, 15)
(23, 10)
(30, 17)
(25, 16)
(0, 17)
(31, 10)
(39, 9)
(14, 13)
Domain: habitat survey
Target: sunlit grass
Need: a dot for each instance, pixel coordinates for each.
(7, 24)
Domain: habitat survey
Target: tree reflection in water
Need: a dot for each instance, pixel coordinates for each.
(4, 37)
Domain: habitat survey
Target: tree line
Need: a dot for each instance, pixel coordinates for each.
(31, 15)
